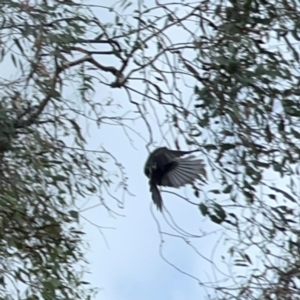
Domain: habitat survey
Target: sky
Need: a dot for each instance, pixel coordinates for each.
(131, 267)
(125, 258)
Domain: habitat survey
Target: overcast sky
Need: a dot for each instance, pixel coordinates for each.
(132, 268)
(127, 263)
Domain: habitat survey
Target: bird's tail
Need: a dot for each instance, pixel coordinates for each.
(156, 197)
(185, 171)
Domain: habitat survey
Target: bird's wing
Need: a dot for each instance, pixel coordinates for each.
(184, 171)
(178, 153)
(165, 156)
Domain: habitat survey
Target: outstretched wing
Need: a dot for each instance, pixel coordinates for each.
(162, 157)
(184, 171)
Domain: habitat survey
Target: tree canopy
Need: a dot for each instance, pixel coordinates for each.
(222, 76)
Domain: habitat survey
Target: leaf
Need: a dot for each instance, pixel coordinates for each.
(294, 33)
(281, 125)
(295, 133)
(170, 18)
(241, 265)
(272, 196)
(19, 45)
(231, 172)
(258, 163)
(285, 194)
(227, 132)
(228, 189)
(77, 128)
(210, 147)
(91, 188)
(74, 214)
(59, 178)
(248, 258)
(249, 196)
(203, 208)
(13, 60)
(215, 219)
(220, 211)
(227, 146)
(215, 191)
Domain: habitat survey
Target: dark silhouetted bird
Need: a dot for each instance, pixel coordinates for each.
(166, 167)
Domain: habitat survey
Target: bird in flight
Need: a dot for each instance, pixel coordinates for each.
(165, 167)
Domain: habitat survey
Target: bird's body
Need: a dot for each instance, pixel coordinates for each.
(167, 167)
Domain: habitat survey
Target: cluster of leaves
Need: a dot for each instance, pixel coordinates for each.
(45, 166)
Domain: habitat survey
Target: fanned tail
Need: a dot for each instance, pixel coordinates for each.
(156, 197)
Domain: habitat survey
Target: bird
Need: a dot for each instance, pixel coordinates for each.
(165, 167)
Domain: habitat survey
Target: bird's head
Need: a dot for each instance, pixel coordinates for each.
(149, 169)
